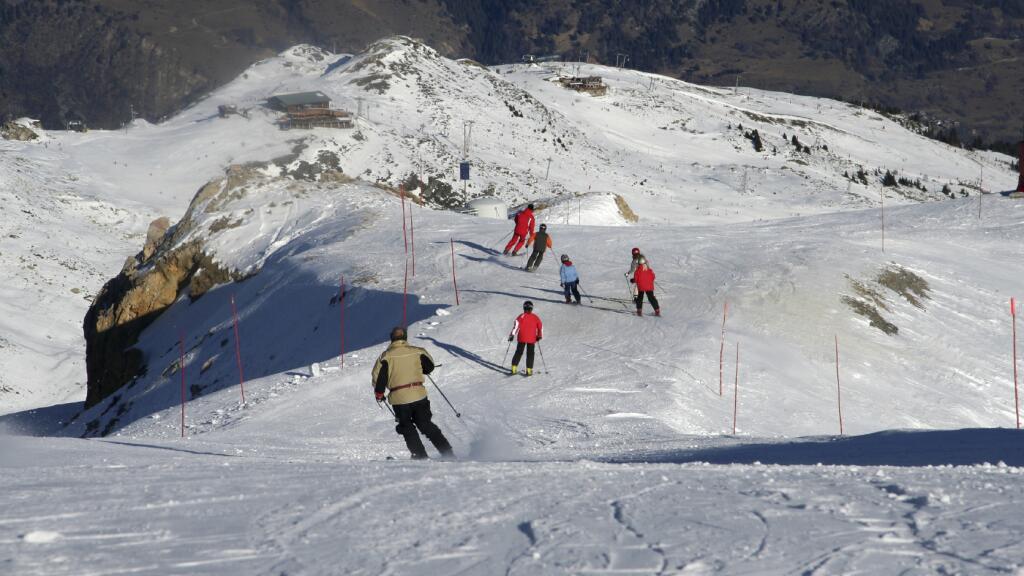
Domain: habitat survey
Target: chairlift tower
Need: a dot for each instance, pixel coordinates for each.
(621, 59)
(467, 135)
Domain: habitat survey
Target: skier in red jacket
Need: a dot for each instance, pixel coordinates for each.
(644, 280)
(524, 229)
(527, 330)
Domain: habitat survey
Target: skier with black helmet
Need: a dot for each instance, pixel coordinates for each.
(570, 279)
(541, 241)
(399, 371)
(527, 331)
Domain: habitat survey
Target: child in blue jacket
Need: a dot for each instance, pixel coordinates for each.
(570, 279)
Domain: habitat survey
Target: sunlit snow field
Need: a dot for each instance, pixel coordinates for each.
(618, 455)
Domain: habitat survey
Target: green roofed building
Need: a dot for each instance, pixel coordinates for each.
(299, 101)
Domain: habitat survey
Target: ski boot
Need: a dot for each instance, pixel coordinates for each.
(657, 312)
(529, 371)
(569, 301)
(515, 369)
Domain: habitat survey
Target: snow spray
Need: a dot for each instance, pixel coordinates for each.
(238, 350)
(455, 283)
(839, 394)
(736, 390)
(493, 444)
(181, 368)
(721, 349)
(1016, 398)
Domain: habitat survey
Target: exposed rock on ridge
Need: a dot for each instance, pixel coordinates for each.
(173, 259)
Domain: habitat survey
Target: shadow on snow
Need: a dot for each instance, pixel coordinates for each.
(887, 448)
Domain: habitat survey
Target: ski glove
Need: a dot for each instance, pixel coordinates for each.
(509, 337)
(632, 280)
(379, 396)
(562, 284)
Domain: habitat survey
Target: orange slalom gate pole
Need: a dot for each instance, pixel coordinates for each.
(405, 296)
(839, 394)
(1016, 398)
(412, 239)
(238, 349)
(405, 234)
(721, 349)
(181, 368)
(736, 391)
(341, 304)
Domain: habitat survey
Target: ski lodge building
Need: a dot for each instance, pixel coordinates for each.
(590, 84)
(308, 110)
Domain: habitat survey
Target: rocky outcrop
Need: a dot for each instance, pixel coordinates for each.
(174, 259)
(17, 131)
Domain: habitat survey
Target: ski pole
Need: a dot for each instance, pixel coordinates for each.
(542, 361)
(507, 348)
(580, 288)
(385, 405)
(500, 240)
(457, 414)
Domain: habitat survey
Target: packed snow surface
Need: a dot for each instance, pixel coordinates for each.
(618, 455)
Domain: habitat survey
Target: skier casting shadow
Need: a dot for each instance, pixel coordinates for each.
(400, 370)
(477, 247)
(488, 260)
(466, 354)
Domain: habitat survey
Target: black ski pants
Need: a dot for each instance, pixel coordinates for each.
(534, 260)
(519, 354)
(650, 297)
(575, 288)
(417, 415)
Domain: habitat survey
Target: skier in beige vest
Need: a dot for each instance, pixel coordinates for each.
(400, 370)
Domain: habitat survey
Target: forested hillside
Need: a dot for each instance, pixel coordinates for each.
(103, 60)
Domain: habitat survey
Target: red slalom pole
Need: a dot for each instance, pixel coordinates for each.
(736, 390)
(454, 282)
(405, 295)
(341, 304)
(181, 368)
(839, 394)
(1016, 398)
(405, 235)
(238, 349)
(721, 349)
(412, 240)
(881, 195)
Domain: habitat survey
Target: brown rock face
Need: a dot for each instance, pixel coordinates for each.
(12, 131)
(147, 285)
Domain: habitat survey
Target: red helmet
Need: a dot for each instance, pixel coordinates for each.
(636, 251)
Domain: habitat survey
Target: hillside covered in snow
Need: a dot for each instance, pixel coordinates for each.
(702, 441)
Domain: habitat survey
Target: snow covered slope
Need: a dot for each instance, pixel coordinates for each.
(663, 150)
(594, 464)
